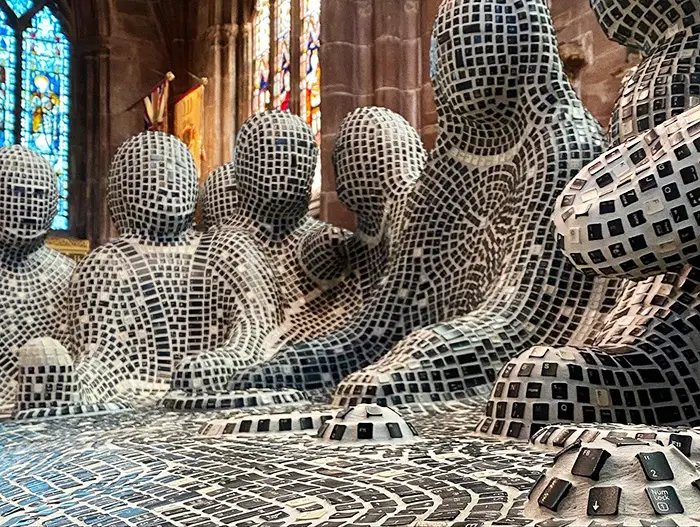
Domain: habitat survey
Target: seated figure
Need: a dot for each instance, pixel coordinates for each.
(635, 213)
(160, 291)
(325, 274)
(34, 277)
(476, 275)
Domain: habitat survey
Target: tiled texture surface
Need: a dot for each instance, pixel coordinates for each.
(152, 469)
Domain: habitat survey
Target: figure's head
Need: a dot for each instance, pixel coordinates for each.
(28, 197)
(275, 160)
(376, 152)
(220, 196)
(641, 24)
(152, 185)
(484, 52)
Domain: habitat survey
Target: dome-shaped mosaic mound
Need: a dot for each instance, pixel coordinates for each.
(292, 422)
(367, 423)
(237, 399)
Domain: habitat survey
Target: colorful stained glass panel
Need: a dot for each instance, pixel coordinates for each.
(20, 6)
(283, 74)
(46, 99)
(261, 43)
(310, 70)
(7, 82)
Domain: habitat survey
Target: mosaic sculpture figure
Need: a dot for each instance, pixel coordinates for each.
(34, 277)
(477, 229)
(161, 291)
(634, 213)
(325, 274)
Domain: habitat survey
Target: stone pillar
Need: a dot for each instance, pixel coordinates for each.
(98, 224)
(374, 52)
(215, 58)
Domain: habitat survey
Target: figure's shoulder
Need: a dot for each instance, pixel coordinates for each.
(107, 255)
(571, 133)
(58, 262)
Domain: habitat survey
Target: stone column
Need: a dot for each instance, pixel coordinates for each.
(215, 58)
(92, 145)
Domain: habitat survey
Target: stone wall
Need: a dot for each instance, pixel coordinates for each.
(598, 81)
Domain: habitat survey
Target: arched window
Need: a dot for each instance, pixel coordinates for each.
(287, 46)
(35, 87)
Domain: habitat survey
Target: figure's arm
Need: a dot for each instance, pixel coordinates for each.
(254, 307)
(634, 211)
(323, 255)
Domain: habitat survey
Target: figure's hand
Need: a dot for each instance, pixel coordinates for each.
(323, 254)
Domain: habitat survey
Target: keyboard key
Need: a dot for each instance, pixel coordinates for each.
(561, 438)
(655, 466)
(590, 462)
(553, 494)
(625, 441)
(526, 369)
(682, 442)
(664, 500)
(549, 369)
(604, 501)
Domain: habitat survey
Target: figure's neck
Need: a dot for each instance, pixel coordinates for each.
(22, 255)
(674, 33)
(155, 238)
(276, 224)
(494, 135)
(477, 138)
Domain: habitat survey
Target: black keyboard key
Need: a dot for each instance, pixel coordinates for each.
(655, 466)
(526, 369)
(589, 463)
(514, 429)
(563, 436)
(553, 494)
(604, 501)
(682, 442)
(545, 436)
(664, 500)
(549, 369)
(625, 441)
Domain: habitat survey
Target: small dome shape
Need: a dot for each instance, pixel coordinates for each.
(46, 377)
(177, 400)
(367, 423)
(292, 422)
(617, 480)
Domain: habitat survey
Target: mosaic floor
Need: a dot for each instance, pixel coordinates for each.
(153, 469)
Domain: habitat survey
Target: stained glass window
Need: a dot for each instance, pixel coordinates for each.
(44, 88)
(283, 74)
(7, 82)
(261, 44)
(310, 73)
(20, 6)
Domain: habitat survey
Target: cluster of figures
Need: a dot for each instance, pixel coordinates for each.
(520, 239)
